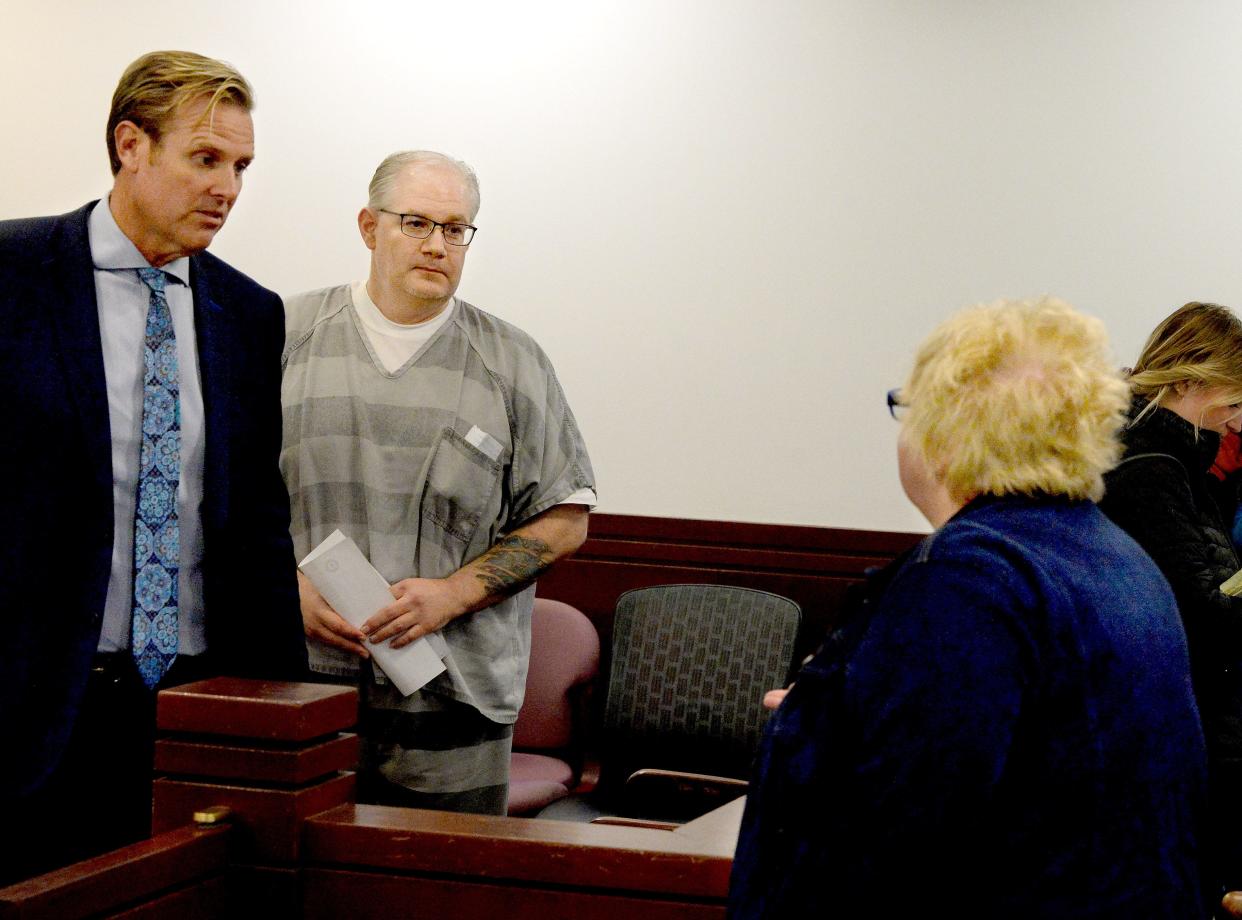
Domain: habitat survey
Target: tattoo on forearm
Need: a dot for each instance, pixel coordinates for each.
(513, 563)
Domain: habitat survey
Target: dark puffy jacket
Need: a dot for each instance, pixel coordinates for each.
(1164, 497)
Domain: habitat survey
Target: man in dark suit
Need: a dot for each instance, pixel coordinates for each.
(147, 520)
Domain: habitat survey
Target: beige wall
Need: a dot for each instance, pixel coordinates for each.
(729, 223)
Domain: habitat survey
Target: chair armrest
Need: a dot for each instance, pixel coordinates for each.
(635, 822)
(677, 796)
(687, 783)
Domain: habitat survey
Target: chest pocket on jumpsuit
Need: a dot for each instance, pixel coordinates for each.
(461, 481)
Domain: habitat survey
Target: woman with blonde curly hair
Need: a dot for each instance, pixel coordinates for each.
(1003, 725)
(1187, 393)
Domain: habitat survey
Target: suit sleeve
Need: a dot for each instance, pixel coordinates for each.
(259, 634)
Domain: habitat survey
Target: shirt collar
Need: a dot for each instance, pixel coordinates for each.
(373, 318)
(111, 249)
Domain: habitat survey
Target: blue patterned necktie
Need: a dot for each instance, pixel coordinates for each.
(157, 542)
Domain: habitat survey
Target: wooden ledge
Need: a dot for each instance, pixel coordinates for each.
(269, 710)
(523, 849)
(253, 761)
(131, 873)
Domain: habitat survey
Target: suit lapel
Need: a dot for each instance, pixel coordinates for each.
(213, 329)
(69, 298)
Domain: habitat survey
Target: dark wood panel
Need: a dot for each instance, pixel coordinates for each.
(207, 900)
(368, 896)
(264, 892)
(730, 557)
(206, 755)
(738, 533)
(267, 821)
(813, 566)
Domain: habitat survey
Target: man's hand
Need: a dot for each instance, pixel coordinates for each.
(321, 622)
(1232, 902)
(423, 605)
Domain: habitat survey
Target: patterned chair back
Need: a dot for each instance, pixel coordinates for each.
(690, 665)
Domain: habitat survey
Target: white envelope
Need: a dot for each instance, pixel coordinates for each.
(356, 590)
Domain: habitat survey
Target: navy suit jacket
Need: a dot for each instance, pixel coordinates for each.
(56, 485)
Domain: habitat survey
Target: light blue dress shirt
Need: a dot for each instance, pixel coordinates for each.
(123, 299)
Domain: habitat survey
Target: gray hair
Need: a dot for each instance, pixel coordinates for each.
(386, 175)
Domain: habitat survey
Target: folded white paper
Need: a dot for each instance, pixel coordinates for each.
(1233, 584)
(356, 590)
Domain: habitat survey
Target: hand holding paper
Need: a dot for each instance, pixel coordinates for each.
(325, 625)
(354, 588)
(423, 606)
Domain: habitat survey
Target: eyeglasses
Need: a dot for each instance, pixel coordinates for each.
(896, 405)
(420, 228)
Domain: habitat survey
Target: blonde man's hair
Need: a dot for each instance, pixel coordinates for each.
(1198, 344)
(156, 85)
(387, 172)
(1017, 397)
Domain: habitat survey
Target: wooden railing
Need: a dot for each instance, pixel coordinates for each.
(280, 758)
(182, 874)
(254, 815)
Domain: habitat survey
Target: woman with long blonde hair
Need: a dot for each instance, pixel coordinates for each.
(1186, 394)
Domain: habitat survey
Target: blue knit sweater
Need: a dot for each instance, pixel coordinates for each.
(1002, 727)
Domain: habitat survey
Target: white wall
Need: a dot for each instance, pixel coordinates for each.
(728, 221)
